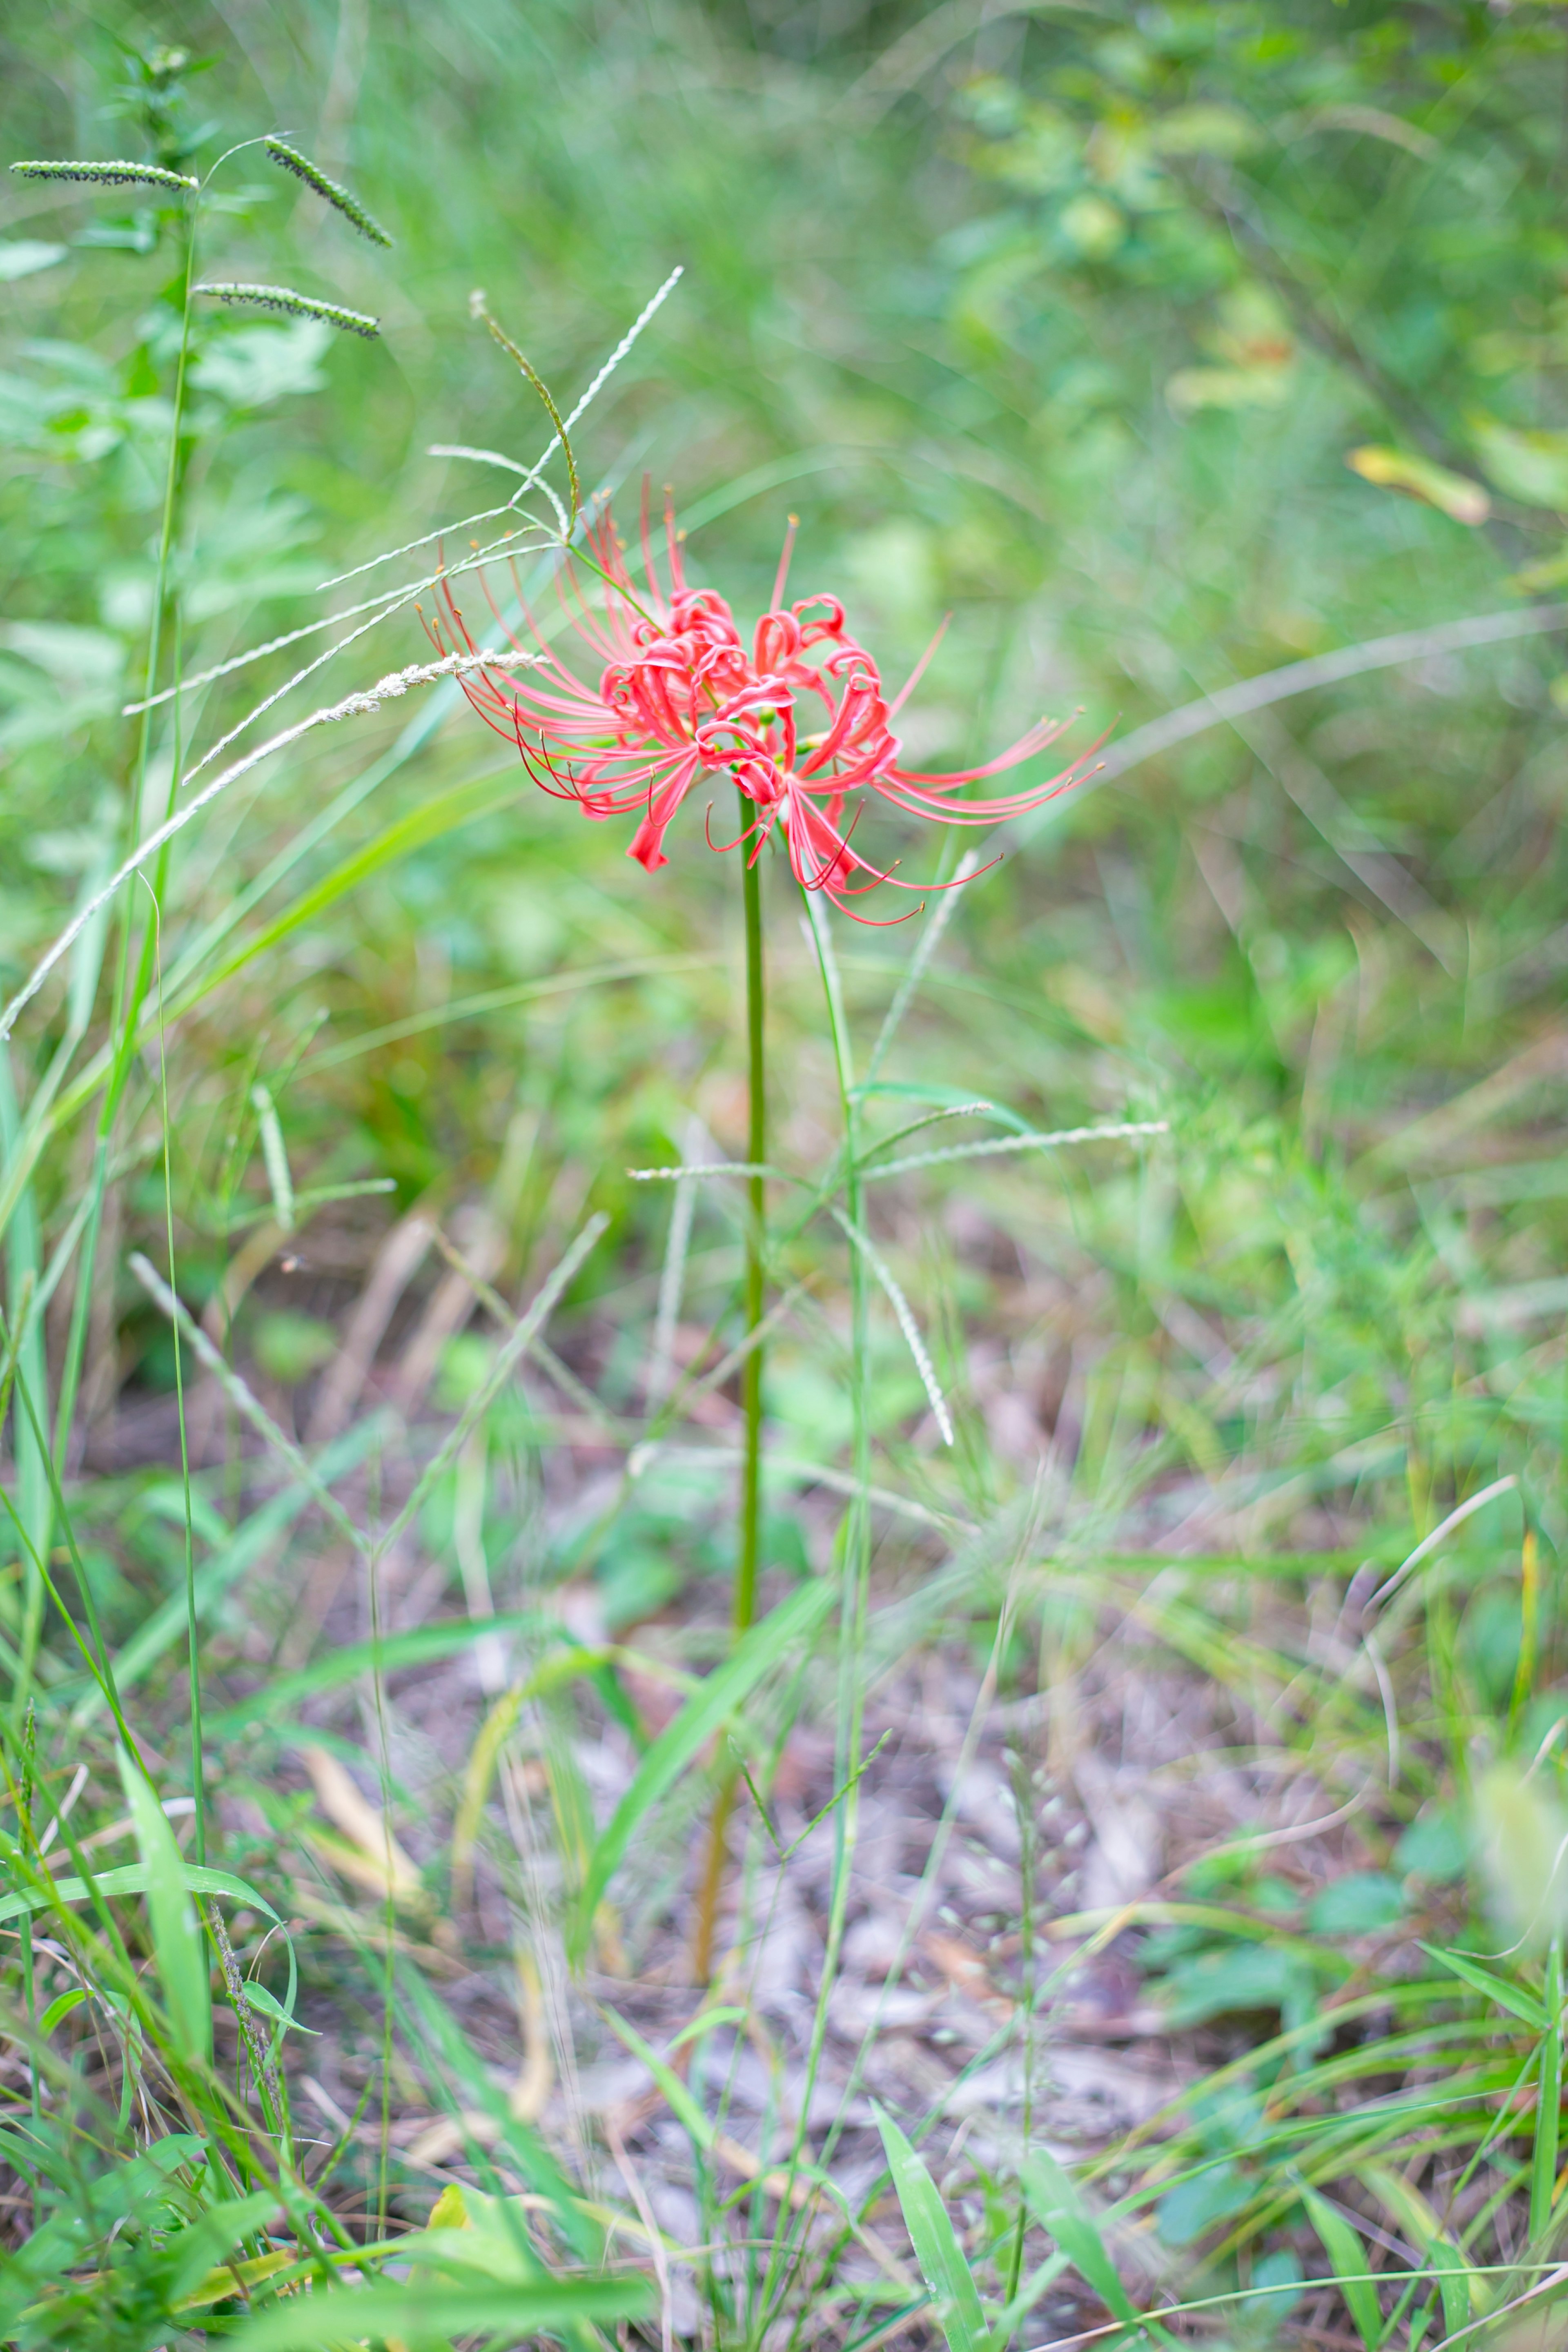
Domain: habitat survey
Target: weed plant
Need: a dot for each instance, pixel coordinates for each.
(1141, 1908)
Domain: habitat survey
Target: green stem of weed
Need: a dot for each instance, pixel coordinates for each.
(130, 989)
(192, 1650)
(24, 1265)
(748, 1527)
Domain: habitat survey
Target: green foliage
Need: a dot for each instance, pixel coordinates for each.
(1166, 348)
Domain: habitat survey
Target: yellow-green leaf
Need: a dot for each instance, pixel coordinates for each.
(1397, 469)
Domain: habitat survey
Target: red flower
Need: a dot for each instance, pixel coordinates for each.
(798, 720)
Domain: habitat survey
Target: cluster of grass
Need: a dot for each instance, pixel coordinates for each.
(372, 1431)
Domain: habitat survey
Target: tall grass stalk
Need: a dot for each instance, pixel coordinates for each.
(743, 1604)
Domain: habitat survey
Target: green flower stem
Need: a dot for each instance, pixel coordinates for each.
(749, 1529)
(756, 1202)
(855, 1545)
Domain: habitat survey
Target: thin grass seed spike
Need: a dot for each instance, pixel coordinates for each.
(480, 308)
(107, 176)
(298, 305)
(330, 191)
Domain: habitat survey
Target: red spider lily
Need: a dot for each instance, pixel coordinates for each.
(798, 720)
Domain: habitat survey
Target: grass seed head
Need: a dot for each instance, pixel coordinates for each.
(330, 191)
(116, 174)
(298, 305)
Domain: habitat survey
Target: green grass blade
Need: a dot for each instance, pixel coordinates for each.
(682, 2104)
(1453, 2283)
(1348, 2255)
(1058, 2209)
(178, 1944)
(1507, 1996)
(421, 1643)
(467, 2074)
(699, 1719)
(132, 1878)
(942, 2263)
(431, 2313)
(257, 1538)
(429, 822)
(507, 1356)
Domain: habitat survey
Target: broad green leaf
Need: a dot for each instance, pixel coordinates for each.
(1357, 1904)
(217, 2285)
(431, 2313)
(1507, 1996)
(1348, 2255)
(942, 2263)
(704, 1712)
(203, 2245)
(1251, 1976)
(1058, 2209)
(179, 1945)
(1193, 2206)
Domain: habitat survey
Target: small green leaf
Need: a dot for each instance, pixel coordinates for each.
(61, 2008)
(23, 256)
(1435, 1846)
(1357, 1904)
(942, 2263)
(259, 1997)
